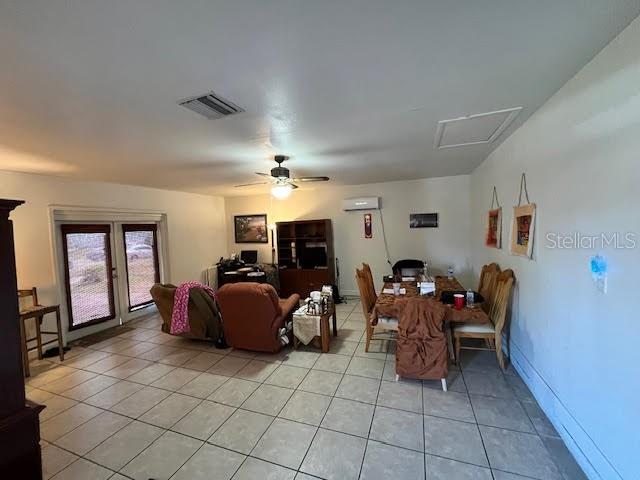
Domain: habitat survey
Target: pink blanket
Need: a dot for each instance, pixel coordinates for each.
(180, 315)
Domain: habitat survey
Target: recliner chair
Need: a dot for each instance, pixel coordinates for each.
(252, 314)
(408, 267)
(204, 318)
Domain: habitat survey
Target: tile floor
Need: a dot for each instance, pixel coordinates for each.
(143, 404)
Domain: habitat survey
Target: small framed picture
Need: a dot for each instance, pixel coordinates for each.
(493, 237)
(423, 220)
(522, 230)
(251, 228)
(367, 226)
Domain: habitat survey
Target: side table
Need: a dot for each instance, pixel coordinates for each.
(320, 325)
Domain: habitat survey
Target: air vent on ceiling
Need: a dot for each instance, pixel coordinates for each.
(474, 129)
(211, 105)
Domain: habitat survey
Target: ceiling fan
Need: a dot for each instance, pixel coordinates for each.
(282, 183)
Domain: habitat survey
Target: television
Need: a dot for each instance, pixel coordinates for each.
(312, 257)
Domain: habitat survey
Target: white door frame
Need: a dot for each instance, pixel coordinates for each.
(59, 214)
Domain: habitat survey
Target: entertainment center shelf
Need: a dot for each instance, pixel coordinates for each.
(305, 256)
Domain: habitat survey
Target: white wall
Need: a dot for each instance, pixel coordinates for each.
(196, 224)
(443, 246)
(577, 348)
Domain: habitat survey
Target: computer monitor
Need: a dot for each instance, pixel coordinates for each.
(249, 257)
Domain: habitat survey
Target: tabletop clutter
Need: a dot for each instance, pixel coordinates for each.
(318, 301)
(426, 286)
(459, 306)
(425, 283)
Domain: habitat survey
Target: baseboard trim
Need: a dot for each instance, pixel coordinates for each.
(349, 293)
(590, 458)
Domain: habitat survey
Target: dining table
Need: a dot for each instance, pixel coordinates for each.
(387, 304)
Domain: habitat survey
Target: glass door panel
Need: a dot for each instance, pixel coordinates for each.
(88, 274)
(141, 260)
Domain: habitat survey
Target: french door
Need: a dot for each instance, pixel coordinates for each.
(108, 268)
(89, 274)
(142, 266)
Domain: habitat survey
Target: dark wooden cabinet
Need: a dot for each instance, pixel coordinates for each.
(19, 424)
(305, 256)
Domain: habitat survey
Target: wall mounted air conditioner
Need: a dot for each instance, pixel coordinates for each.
(362, 203)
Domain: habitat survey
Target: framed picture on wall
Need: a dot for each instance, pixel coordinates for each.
(522, 229)
(423, 220)
(251, 228)
(367, 226)
(493, 237)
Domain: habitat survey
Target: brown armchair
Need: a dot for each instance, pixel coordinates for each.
(204, 318)
(252, 313)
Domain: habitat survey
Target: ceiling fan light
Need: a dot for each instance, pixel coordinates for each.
(281, 191)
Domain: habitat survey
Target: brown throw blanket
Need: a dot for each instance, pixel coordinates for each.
(204, 317)
(422, 343)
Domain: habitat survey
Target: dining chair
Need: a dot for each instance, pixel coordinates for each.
(487, 284)
(491, 333)
(368, 301)
(421, 349)
(369, 276)
(408, 267)
(37, 312)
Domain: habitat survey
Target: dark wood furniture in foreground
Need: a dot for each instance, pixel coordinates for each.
(305, 256)
(37, 312)
(19, 424)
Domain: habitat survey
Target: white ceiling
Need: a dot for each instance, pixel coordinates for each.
(348, 89)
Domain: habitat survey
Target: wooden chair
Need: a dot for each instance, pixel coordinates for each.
(491, 333)
(487, 284)
(37, 312)
(369, 276)
(368, 299)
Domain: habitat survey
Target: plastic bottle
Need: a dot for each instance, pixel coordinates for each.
(470, 298)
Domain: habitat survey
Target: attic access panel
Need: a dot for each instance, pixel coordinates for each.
(211, 105)
(480, 128)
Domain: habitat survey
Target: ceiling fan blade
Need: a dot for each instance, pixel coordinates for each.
(268, 175)
(311, 179)
(251, 184)
(293, 185)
